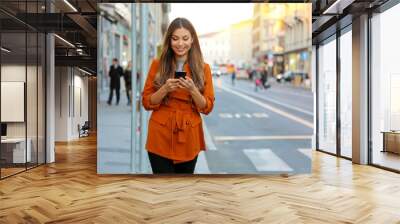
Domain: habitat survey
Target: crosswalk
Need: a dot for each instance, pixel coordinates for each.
(266, 160)
(306, 152)
(243, 115)
(263, 159)
(202, 165)
(252, 158)
(262, 137)
(271, 108)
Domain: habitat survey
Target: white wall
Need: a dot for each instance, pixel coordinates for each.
(13, 73)
(71, 94)
(61, 103)
(80, 110)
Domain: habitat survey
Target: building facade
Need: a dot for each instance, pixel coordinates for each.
(268, 36)
(281, 37)
(297, 51)
(216, 46)
(240, 42)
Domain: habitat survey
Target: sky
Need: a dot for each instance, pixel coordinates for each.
(211, 17)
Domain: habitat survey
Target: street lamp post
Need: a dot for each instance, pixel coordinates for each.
(144, 66)
(134, 149)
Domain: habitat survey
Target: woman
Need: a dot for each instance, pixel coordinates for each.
(175, 134)
(128, 81)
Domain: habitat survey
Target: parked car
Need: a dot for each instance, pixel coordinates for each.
(223, 69)
(289, 76)
(303, 75)
(215, 71)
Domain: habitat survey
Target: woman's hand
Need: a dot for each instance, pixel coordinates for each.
(197, 97)
(171, 85)
(188, 84)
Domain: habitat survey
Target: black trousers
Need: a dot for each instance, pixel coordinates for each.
(112, 88)
(162, 165)
(128, 94)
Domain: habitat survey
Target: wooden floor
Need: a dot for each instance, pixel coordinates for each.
(387, 159)
(5, 172)
(70, 191)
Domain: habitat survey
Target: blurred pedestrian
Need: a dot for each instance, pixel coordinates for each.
(115, 74)
(252, 74)
(264, 78)
(257, 80)
(249, 74)
(233, 75)
(128, 81)
(175, 134)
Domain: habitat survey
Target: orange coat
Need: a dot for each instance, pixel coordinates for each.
(175, 129)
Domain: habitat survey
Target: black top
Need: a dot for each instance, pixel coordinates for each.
(115, 75)
(128, 77)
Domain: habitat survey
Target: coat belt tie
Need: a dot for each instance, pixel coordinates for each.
(180, 122)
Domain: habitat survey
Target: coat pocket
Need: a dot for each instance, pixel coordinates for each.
(159, 132)
(191, 121)
(193, 130)
(161, 117)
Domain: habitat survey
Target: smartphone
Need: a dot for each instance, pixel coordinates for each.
(180, 74)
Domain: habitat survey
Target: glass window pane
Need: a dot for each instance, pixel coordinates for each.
(386, 89)
(13, 87)
(346, 93)
(41, 98)
(327, 96)
(31, 97)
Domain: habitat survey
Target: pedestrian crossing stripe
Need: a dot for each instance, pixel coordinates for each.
(247, 115)
(260, 115)
(306, 152)
(239, 115)
(225, 115)
(255, 137)
(202, 165)
(265, 160)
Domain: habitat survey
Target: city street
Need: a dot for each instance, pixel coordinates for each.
(264, 131)
(268, 131)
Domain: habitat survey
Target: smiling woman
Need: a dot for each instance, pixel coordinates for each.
(175, 134)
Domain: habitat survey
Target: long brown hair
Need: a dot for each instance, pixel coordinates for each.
(195, 60)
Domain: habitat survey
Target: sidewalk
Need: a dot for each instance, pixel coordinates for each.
(114, 135)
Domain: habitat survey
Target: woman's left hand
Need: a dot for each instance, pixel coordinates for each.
(187, 83)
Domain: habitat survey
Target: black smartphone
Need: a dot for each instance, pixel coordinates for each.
(180, 74)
